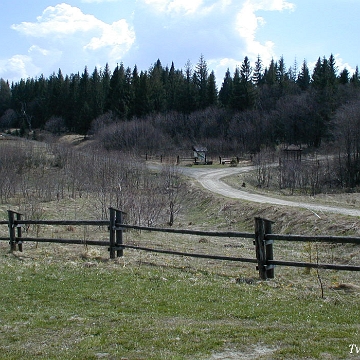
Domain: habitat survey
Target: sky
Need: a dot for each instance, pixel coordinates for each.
(43, 36)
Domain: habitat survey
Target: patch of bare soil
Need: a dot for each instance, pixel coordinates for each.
(75, 140)
(255, 352)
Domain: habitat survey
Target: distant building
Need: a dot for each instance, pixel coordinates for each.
(200, 154)
(292, 152)
(290, 165)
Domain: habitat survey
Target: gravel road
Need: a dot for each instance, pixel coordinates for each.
(210, 179)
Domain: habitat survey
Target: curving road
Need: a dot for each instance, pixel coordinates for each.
(210, 179)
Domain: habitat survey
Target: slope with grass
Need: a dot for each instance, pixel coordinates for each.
(212, 180)
(115, 310)
(68, 302)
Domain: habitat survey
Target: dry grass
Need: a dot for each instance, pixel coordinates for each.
(205, 211)
(72, 301)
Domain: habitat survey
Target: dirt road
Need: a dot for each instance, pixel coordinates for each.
(211, 179)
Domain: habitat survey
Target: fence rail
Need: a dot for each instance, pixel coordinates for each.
(189, 232)
(263, 239)
(315, 238)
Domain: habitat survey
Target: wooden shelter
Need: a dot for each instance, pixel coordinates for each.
(292, 152)
(200, 154)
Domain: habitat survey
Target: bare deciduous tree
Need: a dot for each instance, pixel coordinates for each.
(347, 133)
(263, 162)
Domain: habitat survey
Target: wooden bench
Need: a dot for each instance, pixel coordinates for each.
(233, 160)
(224, 161)
(184, 159)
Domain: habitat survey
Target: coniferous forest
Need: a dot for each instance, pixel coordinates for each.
(256, 106)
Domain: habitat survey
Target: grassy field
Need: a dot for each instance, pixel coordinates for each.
(56, 305)
(72, 302)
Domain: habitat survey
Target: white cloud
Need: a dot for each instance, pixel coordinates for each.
(64, 21)
(175, 6)
(44, 57)
(187, 6)
(112, 35)
(157, 5)
(341, 65)
(39, 50)
(60, 20)
(17, 67)
(236, 20)
(271, 5)
(98, 1)
(117, 38)
(224, 31)
(36, 62)
(64, 34)
(247, 23)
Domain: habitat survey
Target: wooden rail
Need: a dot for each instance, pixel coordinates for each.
(263, 239)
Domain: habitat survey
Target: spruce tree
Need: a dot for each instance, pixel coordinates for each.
(257, 77)
(344, 76)
(142, 100)
(105, 75)
(172, 89)
(281, 72)
(303, 79)
(317, 75)
(236, 98)
(97, 99)
(243, 89)
(39, 105)
(226, 89)
(247, 87)
(355, 79)
(5, 96)
(117, 100)
(271, 74)
(157, 95)
(188, 91)
(135, 84)
(73, 101)
(212, 90)
(200, 80)
(84, 113)
(325, 88)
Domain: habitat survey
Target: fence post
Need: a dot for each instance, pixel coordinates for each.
(264, 248)
(119, 232)
(11, 230)
(260, 247)
(112, 233)
(269, 251)
(19, 233)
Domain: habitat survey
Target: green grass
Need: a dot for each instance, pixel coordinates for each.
(68, 302)
(54, 310)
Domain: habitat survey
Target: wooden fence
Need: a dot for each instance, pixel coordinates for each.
(263, 239)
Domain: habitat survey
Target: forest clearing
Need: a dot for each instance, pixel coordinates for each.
(67, 301)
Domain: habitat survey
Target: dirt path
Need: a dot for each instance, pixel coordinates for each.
(210, 179)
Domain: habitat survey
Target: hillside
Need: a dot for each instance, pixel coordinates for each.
(75, 302)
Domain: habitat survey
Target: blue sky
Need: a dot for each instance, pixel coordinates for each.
(42, 36)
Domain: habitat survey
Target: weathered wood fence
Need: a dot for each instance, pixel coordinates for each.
(263, 239)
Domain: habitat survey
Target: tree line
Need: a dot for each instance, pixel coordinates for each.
(256, 105)
(257, 108)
